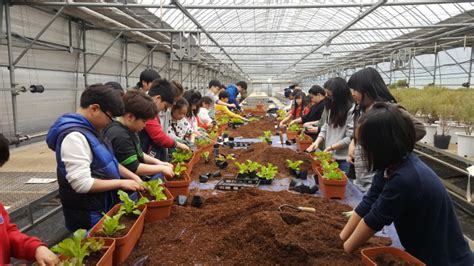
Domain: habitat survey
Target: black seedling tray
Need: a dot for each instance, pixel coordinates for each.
(233, 185)
(238, 144)
(248, 180)
(265, 181)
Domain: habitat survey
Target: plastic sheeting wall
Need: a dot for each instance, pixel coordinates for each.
(61, 71)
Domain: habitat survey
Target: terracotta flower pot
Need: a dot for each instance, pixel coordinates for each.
(107, 257)
(332, 189)
(316, 165)
(179, 187)
(291, 134)
(368, 255)
(125, 244)
(159, 210)
(302, 145)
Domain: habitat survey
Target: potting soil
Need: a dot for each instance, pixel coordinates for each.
(246, 227)
(253, 129)
(94, 258)
(388, 259)
(258, 152)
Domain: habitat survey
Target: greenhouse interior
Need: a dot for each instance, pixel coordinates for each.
(257, 132)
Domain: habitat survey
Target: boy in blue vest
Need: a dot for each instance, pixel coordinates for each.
(88, 173)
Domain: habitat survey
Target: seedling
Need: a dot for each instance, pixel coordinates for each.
(77, 248)
(112, 224)
(252, 166)
(181, 156)
(268, 172)
(294, 128)
(267, 137)
(294, 165)
(322, 156)
(331, 171)
(213, 134)
(222, 120)
(179, 169)
(281, 114)
(252, 119)
(205, 156)
(243, 169)
(156, 189)
(224, 158)
(237, 120)
(128, 205)
(201, 142)
(302, 136)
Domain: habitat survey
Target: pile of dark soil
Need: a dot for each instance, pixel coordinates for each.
(391, 260)
(254, 129)
(246, 227)
(258, 152)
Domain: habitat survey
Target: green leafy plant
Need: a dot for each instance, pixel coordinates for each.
(222, 119)
(213, 134)
(268, 172)
(322, 156)
(205, 156)
(237, 120)
(281, 114)
(331, 171)
(179, 169)
(201, 141)
(252, 166)
(252, 119)
(128, 205)
(267, 136)
(156, 189)
(294, 128)
(181, 156)
(77, 248)
(112, 224)
(224, 158)
(243, 169)
(230, 157)
(294, 165)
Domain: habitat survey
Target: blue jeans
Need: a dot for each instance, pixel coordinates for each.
(344, 166)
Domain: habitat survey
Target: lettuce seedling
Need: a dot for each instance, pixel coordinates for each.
(223, 119)
(181, 156)
(252, 166)
(243, 169)
(267, 136)
(294, 128)
(77, 247)
(201, 142)
(112, 224)
(128, 205)
(213, 134)
(294, 165)
(268, 172)
(223, 158)
(179, 169)
(252, 119)
(156, 189)
(281, 114)
(322, 156)
(205, 156)
(237, 120)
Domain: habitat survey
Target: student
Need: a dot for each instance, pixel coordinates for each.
(212, 92)
(181, 128)
(117, 86)
(318, 99)
(146, 78)
(88, 173)
(404, 191)
(14, 243)
(153, 138)
(234, 91)
(194, 98)
(368, 87)
(299, 108)
(337, 131)
(223, 110)
(122, 134)
(205, 104)
(290, 97)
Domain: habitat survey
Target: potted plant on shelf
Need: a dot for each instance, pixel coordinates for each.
(267, 137)
(221, 160)
(128, 210)
(78, 250)
(445, 110)
(267, 173)
(160, 200)
(332, 181)
(388, 256)
(295, 169)
(205, 157)
(466, 115)
(303, 142)
(179, 183)
(293, 131)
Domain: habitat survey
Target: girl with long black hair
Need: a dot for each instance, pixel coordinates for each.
(299, 109)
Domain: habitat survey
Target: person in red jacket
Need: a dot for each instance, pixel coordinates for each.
(14, 243)
(153, 138)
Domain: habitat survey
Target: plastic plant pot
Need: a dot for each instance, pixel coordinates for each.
(231, 138)
(182, 200)
(125, 244)
(196, 201)
(368, 255)
(178, 187)
(287, 142)
(332, 189)
(303, 175)
(107, 257)
(221, 164)
(203, 178)
(159, 210)
(216, 174)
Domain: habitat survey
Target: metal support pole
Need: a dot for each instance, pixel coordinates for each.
(469, 75)
(181, 72)
(435, 62)
(143, 59)
(170, 68)
(390, 72)
(126, 62)
(84, 51)
(11, 68)
(38, 36)
(423, 66)
(455, 61)
(409, 71)
(104, 52)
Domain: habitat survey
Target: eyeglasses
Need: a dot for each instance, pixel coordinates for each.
(110, 117)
